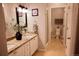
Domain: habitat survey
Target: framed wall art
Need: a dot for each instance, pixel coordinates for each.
(35, 12)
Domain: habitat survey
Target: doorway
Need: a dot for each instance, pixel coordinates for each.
(57, 29)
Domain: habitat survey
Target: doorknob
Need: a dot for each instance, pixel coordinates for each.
(69, 38)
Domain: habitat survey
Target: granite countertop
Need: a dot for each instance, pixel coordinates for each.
(14, 44)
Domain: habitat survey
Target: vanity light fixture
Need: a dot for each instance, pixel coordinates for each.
(22, 9)
(19, 9)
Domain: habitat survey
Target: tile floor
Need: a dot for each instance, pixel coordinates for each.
(55, 48)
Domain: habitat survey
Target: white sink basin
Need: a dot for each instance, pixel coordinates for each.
(27, 37)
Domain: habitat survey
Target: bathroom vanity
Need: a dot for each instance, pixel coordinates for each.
(25, 47)
(29, 42)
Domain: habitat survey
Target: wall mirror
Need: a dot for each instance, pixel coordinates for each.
(21, 15)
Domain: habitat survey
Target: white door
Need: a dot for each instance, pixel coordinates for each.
(68, 29)
(46, 18)
(64, 26)
(71, 31)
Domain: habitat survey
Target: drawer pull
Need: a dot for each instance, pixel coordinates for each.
(69, 38)
(15, 52)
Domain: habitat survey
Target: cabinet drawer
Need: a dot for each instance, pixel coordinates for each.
(18, 52)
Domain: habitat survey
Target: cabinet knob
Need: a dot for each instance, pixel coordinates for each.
(15, 52)
(69, 38)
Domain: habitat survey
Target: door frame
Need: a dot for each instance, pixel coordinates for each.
(64, 22)
(49, 22)
(68, 49)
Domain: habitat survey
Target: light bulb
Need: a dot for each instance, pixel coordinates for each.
(25, 11)
(19, 9)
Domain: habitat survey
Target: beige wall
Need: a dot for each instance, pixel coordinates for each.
(10, 19)
(3, 45)
(41, 21)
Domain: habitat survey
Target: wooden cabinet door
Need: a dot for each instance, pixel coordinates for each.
(26, 49)
(32, 47)
(18, 52)
(36, 43)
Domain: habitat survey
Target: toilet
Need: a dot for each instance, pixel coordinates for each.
(57, 32)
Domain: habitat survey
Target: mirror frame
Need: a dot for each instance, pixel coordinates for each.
(17, 18)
